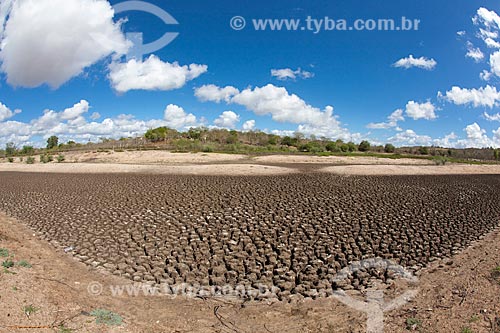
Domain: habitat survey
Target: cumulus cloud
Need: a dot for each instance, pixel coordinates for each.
(248, 125)
(392, 121)
(484, 96)
(485, 75)
(152, 74)
(177, 118)
(492, 117)
(290, 74)
(52, 41)
(410, 61)
(495, 63)
(71, 124)
(476, 136)
(228, 119)
(420, 110)
(282, 106)
(215, 94)
(474, 52)
(489, 18)
(6, 113)
(409, 137)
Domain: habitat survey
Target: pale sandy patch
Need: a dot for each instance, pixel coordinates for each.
(205, 169)
(362, 160)
(451, 169)
(151, 157)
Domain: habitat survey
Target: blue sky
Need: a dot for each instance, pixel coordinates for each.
(439, 83)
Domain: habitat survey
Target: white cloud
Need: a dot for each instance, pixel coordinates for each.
(152, 74)
(392, 121)
(496, 134)
(476, 136)
(484, 96)
(71, 124)
(228, 119)
(493, 117)
(461, 33)
(248, 125)
(420, 110)
(410, 61)
(52, 41)
(409, 137)
(487, 17)
(485, 75)
(6, 113)
(447, 141)
(95, 116)
(215, 94)
(177, 118)
(282, 106)
(287, 73)
(474, 52)
(495, 63)
(75, 111)
(491, 43)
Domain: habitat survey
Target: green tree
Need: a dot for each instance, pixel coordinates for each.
(351, 146)
(364, 146)
(332, 146)
(52, 142)
(496, 154)
(423, 150)
(288, 141)
(389, 148)
(27, 150)
(10, 149)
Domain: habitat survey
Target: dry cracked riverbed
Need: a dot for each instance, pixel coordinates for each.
(293, 232)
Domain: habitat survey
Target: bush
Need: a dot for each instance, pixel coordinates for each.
(30, 160)
(46, 158)
(440, 160)
(60, 158)
(364, 146)
(106, 317)
(389, 148)
(52, 142)
(332, 146)
(10, 159)
(27, 150)
(207, 149)
(423, 151)
(288, 141)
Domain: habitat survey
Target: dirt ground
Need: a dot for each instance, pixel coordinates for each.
(454, 295)
(460, 294)
(164, 162)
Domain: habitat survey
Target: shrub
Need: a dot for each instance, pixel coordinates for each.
(332, 146)
(30, 160)
(364, 146)
(351, 146)
(52, 142)
(60, 158)
(10, 159)
(46, 158)
(4, 252)
(7, 263)
(207, 149)
(27, 150)
(24, 263)
(106, 317)
(389, 148)
(423, 151)
(440, 160)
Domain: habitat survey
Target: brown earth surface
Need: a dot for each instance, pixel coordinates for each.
(456, 294)
(453, 295)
